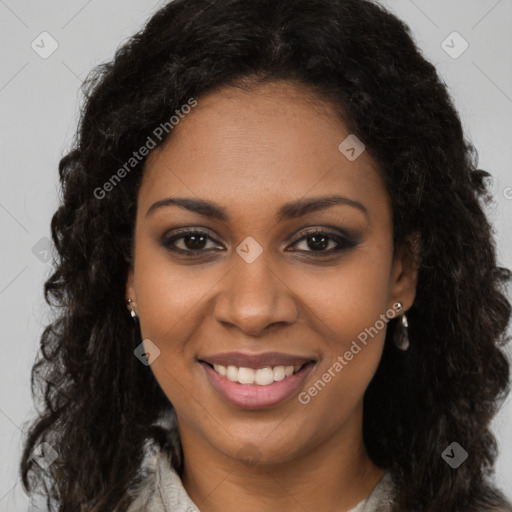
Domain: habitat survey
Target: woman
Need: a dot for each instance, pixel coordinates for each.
(275, 275)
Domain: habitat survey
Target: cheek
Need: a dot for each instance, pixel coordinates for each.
(342, 301)
(348, 307)
(168, 297)
(168, 293)
(356, 301)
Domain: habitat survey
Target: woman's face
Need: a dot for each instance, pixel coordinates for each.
(251, 290)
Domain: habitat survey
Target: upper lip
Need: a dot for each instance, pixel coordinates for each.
(255, 361)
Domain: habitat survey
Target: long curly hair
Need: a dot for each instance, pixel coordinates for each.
(100, 402)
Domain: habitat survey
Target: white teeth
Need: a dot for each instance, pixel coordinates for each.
(264, 376)
(279, 373)
(220, 369)
(261, 376)
(246, 375)
(232, 373)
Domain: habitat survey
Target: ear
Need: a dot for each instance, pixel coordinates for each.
(130, 286)
(404, 274)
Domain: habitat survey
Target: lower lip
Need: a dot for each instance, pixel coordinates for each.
(252, 396)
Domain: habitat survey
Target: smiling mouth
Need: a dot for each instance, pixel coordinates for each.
(257, 376)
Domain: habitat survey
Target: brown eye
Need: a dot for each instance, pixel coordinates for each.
(195, 241)
(318, 241)
(190, 242)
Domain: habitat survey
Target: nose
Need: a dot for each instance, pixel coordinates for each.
(254, 298)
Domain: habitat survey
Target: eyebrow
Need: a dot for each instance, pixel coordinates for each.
(287, 211)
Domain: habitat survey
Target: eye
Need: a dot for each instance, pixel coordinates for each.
(317, 241)
(190, 240)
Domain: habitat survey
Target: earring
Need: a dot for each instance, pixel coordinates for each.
(401, 334)
(130, 307)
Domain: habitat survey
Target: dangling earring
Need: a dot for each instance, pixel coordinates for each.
(132, 311)
(401, 334)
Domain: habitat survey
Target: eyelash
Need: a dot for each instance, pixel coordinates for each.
(344, 242)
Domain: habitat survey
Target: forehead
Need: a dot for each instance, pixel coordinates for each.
(271, 143)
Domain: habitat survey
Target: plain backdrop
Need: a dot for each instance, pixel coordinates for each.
(39, 102)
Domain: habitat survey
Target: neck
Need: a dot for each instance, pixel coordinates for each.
(339, 465)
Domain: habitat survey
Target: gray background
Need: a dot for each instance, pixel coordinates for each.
(39, 102)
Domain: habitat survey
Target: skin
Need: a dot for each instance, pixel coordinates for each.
(251, 152)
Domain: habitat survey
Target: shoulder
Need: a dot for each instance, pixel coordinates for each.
(157, 471)
(161, 489)
(145, 487)
(382, 497)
